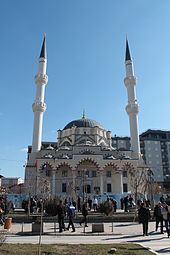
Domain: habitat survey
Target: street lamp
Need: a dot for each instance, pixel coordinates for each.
(150, 175)
(84, 183)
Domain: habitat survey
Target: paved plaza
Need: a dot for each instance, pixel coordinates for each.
(117, 233)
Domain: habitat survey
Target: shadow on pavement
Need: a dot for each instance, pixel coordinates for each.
(145, 239)
(123, 237)
(166, 250)
(124, 225)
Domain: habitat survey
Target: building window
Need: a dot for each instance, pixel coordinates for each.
(64, 173)
(47, 173)
(109, 187)
(125, 188)
(94, 174)
(108, 173)
(79, 173)
(124, 173)
(64, 187)
(87, 173)
(88, 189)
(97, 190)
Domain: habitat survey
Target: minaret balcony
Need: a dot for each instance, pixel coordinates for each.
(41, 78)
(39, 106)
(130, 81)
(132, 109)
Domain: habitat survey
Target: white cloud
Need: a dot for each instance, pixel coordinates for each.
(24, 149)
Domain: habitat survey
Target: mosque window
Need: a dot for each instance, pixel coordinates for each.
(79, 173)
(88, 189)
(125, 188)
(64, 187)
(97, 190)
(47, 173)
(87, 173)
(94, 173)
(109, 187)
(64, 173)
(124, 173)
(66, 144)
(108, 173)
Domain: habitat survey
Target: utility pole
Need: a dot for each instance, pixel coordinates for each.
(150, 175)
(84, 184)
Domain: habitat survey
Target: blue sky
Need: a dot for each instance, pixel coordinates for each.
(86, 50)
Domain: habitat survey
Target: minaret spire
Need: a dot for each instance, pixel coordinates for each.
(128, 55)
(43, 49)
(39, 106)
(132, 107)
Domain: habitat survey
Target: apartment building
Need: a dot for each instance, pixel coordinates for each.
(155, 148)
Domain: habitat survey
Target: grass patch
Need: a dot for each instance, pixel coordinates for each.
(73, 249)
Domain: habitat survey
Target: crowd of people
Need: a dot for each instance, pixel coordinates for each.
(32, 205)
(161, 215)
(161, 212)
(5, 207)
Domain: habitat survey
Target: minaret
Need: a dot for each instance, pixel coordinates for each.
(39, 106)
(132, 108)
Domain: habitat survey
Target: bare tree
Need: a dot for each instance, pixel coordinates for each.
(138, 181)
(44, 193)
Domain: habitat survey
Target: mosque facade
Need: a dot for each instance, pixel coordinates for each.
(82, 162)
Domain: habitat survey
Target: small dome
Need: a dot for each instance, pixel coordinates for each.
(83, 123)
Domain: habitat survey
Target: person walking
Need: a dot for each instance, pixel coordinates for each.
(61, 211)
(158, 216)
(115, 204)
(84, 213)
(165, 211)
(122, 202)
(126, 200)
(2, 209)
(79, 204)
(90, 203)
(71, 215)
(95, 202)
(144, 216)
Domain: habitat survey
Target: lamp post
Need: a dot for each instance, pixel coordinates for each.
(84, 183)
(150, 176)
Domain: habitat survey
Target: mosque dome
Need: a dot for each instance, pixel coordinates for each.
(83, 123)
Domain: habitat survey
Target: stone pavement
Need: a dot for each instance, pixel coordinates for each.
(122, 233)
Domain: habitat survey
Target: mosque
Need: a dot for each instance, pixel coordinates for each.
(82, 162)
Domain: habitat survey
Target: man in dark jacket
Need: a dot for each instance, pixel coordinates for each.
(158, 216)
(61, 211)
(144, 216)
(71, 215)
(84, 213)
(126, 200)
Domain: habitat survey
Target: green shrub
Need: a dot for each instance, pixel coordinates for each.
(105, 208)
(51, 207)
